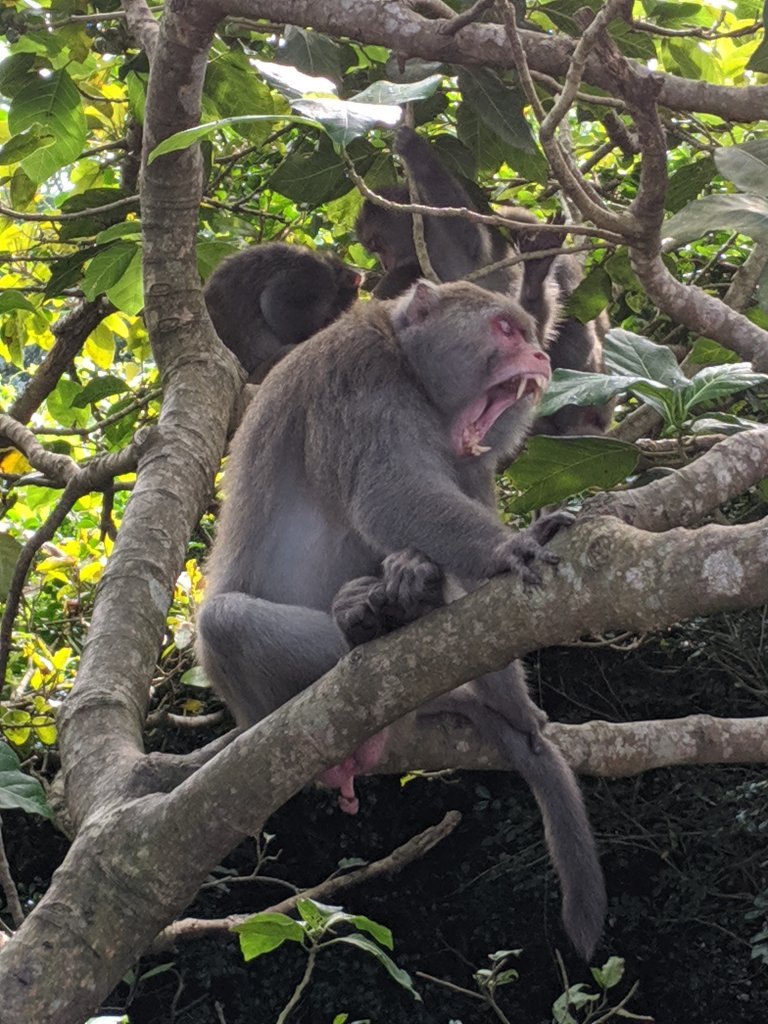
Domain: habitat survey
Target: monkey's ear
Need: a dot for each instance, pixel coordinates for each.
(416, 304)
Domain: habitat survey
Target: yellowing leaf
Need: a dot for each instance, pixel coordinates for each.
(91, 572)
(100, 346)
(61, 657)
(14, 462)
(46, 734)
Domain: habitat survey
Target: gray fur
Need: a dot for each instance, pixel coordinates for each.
(457, 248)
(348, 455)
(267, 299)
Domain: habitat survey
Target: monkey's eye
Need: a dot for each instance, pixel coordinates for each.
(506, 326)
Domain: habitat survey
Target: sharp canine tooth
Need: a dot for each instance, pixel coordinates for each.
(521, 388)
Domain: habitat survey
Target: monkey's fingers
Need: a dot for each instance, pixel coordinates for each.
(413, 586)
(545, 528)
(357, 609)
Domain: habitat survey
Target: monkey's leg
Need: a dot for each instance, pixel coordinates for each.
(259, 654)
(372, 606)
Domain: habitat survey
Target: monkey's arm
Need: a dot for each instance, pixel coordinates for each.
(421, 506)
(456, 246)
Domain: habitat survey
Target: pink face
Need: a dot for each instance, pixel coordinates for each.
(517, 371)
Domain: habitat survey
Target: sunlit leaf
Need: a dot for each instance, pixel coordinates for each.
(745, 165)
(264, 932)
(54, 104)
(398, 93)
(25, 143)
(635, 356)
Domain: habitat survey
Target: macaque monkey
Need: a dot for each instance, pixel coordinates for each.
(458, 247)
(267, 299)
(368, 456)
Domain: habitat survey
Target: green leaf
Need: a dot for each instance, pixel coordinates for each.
(635, 356)
(591, 296)
(312, 53)
(196, 677)
(264, 932)
(746, 214)
(125, 229)
(573, 387)
(187, 138)
(317, 176)
(398, 93)
(746, 165)
(345, 120)
(54, 104)
(10, 299)
(93, 223)
(706, 352)
(19, 792)
(501, 108)
(233, 87)
(210, 253)
(553, 468)
(610, 974)
(127, 293)
(108, 267)
(23, 189)
(10, 549)
(292, 83)
(400, 976)
(26, 142)
(716, 382)
(687, 182)
(16, 72)
(99, 388)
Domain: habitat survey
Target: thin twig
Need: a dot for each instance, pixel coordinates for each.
(8, 885)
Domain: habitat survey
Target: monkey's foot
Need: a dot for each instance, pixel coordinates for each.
(410, 585)
(524, 552)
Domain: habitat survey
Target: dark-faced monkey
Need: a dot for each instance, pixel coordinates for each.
(269, 298)
(572, 345)
(367, 458)
(456, 246)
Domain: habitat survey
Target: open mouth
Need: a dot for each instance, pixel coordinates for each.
(481, 416)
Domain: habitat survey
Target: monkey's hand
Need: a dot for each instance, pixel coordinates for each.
(524, 552)
(410, 585)
(357, 610)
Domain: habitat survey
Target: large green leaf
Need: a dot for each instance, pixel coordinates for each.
(187, 138)
(501, 108)
(292, 83)
(635, 356)
(29, 141)
(687, 182)
(236, 91)
(116, 272)
(398, 93)
(716, 382)
(591, 296)
(554, 468)
(345, 120)
(746, 214)
(318, 176)
(312, 53)
(19, 792)
(99, 388)
(573, 387)
(54, 104)
(745, 165)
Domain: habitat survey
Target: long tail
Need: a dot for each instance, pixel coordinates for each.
(568, 833)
